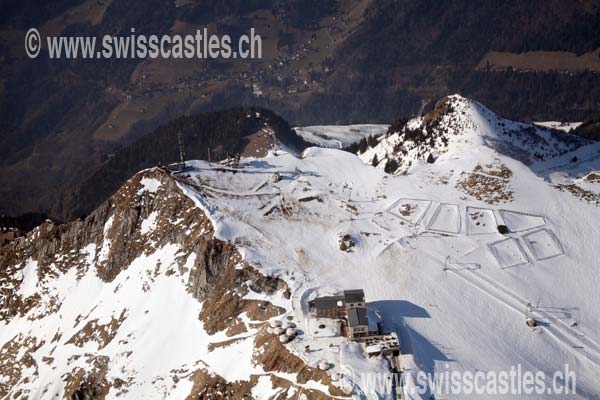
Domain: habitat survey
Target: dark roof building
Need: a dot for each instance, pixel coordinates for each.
(354, 296)
(357, 316)
(348, 306)
(328, 301)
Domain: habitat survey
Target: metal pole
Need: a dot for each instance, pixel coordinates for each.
(181, 152)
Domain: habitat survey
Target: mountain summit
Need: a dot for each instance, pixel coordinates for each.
(458, 125)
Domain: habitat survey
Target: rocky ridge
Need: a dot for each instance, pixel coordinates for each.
(77, 298)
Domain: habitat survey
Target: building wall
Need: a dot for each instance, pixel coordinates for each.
(361, 304)
(358, 331)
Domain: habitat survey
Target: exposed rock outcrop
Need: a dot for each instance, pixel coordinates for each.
(147, 212)
(145, 216)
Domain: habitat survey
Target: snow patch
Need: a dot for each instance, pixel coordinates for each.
(150, 185)
(263, 389)
(106, 243)
(149, 223)
(30, 278)
(562, 126)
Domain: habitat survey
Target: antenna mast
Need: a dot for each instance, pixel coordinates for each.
(181, 152)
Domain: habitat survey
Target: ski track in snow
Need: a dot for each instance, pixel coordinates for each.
(563, 333)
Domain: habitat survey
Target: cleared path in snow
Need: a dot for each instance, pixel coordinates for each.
(563, 333)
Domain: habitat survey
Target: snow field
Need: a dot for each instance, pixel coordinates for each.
(509, 253)
(543, 244)
(400, 265)
(518, 221)
(446, 219)
(480, 221)
(410, 210)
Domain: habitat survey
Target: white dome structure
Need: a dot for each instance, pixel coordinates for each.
(274, 323)
(291, 331)
(324, 365)
(284, 338)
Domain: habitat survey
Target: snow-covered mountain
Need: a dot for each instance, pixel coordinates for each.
(168, 289)
(458, 125)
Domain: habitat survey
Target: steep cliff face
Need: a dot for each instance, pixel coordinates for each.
(139, 297)
(146, 213)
